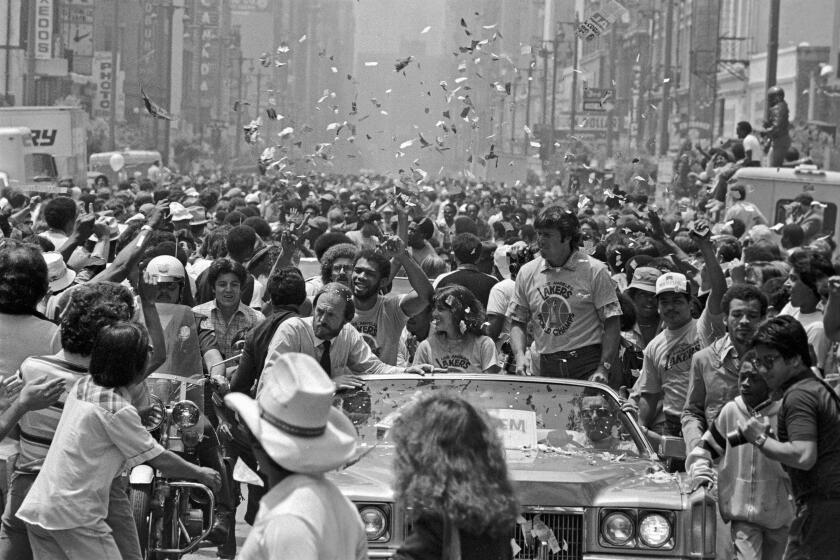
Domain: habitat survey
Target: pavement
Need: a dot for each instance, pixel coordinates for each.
(242, 530)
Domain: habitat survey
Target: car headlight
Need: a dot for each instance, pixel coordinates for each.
(654, 529)
(617, 528)
(153, 415)
(375, 522)
(185, 414)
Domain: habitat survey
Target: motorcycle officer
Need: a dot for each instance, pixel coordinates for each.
(192, 350)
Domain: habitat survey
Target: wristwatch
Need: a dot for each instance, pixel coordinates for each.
(607, 365)
(760, 440)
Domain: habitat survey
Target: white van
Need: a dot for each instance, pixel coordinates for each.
(771, 188)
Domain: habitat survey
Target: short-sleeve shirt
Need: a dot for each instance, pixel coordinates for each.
(227, 333)
(498, 304)
(472, 354)
(809, 413)
(100, 434)
(666, 365)
(306, 518)
(380, 326)
(567, 304)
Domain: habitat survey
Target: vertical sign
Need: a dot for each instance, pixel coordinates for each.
(208, 71)
(105, 77)
(43, 29)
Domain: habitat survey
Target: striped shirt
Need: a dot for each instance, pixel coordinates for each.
(37, 427)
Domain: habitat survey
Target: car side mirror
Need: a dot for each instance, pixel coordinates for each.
(671, 447)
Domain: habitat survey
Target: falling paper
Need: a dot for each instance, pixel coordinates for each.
(372, 63)
(426, 29)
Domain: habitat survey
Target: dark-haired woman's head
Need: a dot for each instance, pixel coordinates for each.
(91, 307)
(119, 355)
(450, 462)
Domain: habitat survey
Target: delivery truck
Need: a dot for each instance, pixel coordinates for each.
(23, 166)
(58, 131)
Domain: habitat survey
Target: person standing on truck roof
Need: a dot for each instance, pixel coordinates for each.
(777, 126)
(752, 147)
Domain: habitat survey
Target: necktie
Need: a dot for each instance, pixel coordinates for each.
(325, 357)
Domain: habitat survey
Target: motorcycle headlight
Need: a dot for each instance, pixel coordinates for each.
(375, 521)
(617, 528)
(654, 529)
(185, 414)
(154, 415)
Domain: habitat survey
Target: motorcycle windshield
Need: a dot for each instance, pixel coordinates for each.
(171, 389)
(182, 374)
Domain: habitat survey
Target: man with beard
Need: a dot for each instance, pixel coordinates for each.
(714, 370)
(329, 337)
(337, 263)
(380, 318)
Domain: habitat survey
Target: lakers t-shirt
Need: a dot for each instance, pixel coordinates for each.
(666, 365)
(566, 305)
(472, 354)
(380, 326)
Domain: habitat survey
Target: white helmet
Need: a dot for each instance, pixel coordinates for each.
(165, 268)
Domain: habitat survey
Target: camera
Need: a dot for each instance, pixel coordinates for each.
(519, 257)
(736, 438)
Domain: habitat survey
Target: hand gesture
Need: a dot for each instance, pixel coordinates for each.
(754, 427)
(210, 478)
(656, 229)
(701, 232)
(522, 366)
(834, 285)
(159, 214)
(85, 224)
(701, 474)
(101, 229)
(147, 290)
(41, 393)
(348, 382)
(9, 390)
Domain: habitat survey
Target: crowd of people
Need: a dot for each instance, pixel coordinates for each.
(708, 318)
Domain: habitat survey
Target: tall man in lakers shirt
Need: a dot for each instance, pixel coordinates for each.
(570, 302)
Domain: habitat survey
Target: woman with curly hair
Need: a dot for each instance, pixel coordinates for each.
(451, 474)
(455, 342)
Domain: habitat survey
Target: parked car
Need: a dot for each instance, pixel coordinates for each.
(589, 483)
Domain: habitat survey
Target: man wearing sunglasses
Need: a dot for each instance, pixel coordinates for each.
(808, 443)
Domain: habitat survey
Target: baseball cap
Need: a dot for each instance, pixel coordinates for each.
(645, 279)
(672, 282)
(804, 198)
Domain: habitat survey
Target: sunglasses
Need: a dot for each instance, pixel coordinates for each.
(766, 362)
(598, 412)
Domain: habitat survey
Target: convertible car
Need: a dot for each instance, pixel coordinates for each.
(589, 483)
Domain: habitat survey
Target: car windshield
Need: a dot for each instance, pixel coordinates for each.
(549, 416)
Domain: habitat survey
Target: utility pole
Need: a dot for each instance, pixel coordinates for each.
(237, 137)
(772, 48)
(554, 42)
(574, 80)
(513, 114)
(115, 40)
(170, 10)
(665, 114)
(611, 112)
(528, 103)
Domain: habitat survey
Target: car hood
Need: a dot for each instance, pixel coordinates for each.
(542, 479)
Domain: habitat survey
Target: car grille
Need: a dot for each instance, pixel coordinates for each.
(567, 529)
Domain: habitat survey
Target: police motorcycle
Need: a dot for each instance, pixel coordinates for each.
(176, 516)
(173, 516)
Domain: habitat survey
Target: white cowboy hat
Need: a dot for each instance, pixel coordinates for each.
(60, 277)
(293, 417)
